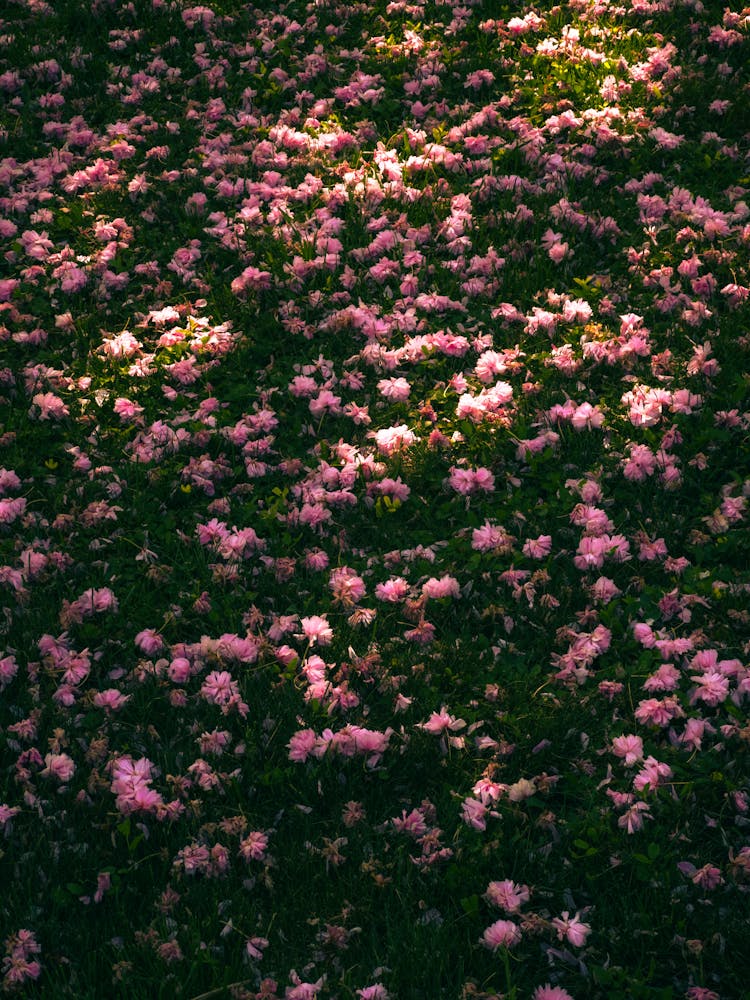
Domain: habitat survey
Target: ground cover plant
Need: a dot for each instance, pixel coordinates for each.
(373, 499)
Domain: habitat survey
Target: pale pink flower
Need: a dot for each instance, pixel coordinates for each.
(571, 929)
(548, 992)
(644, 634)
(59, 766)
(501, 934)
(11, 508)
(255, 947)
(665, 678)
(103, 885)
(375, 992)
(522, 25)
(462, 481)
(128, 770)
(126, 409)
(347, 587)
(251, 279)
(587, 417)
(591, 553)
(651, 775)
(629, 747)
(123, 345)
(36, 245)
(149, 641)
(254, 846)
(393, 591)
(51, 407)
(412, 823)
(538, 548)
(441, 722)
(301, 745)
(99, 599)
(593, 520)
(478, 79)
(371, 742)
(8, 670)
(522, 789)
(507, 895)
(112, 700)
(396, 489)
(193, 859)
(604, 589)
(325, 402)
(9, 481)
(492, 536)
(7, 287)
(708, 877)
(712, 688)
(667, 140)
(610, 689)
(316, 630)
(6, 814)
(489, 364)
(484, 480)
(316, 559)
(632, 819)
(446, 586)
(396, 390)
(72, 278)
(391, 439)
(179, 670)
(219, 688)
(656, 712)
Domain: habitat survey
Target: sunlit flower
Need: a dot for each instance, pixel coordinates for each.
(316, 630)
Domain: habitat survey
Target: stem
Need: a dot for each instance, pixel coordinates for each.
(219, 989)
